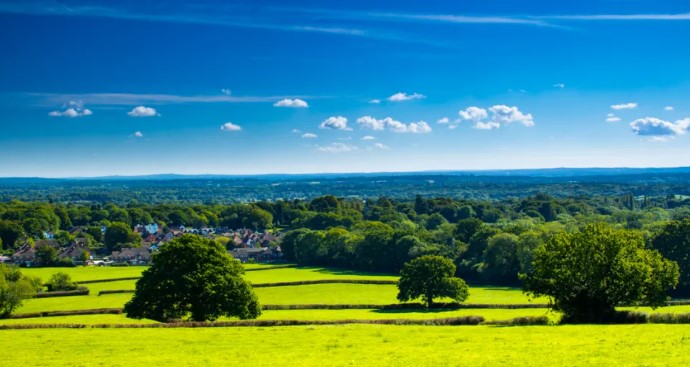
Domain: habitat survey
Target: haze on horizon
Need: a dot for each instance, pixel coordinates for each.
(100, 88)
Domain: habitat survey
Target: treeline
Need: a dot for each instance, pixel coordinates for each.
(489, 241)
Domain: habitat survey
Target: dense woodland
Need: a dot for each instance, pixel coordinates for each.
(489, 241)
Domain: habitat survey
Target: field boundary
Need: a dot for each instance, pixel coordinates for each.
(325, 281)
(77, 292)
(93, 311)
(454, 321)
(107, 280)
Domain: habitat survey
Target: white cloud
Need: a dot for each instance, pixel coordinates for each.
(624, 106)
(368, 137)
(612, 118)
(668, 108)
(420, 127)
(335, 123)
(372, 123)
(375, 101)
(443, 120)
(309, 136)
(474, 114)
(661, 139)
(399, 97)
(296, 131)
(503, 114)
(337, 148)
(559, 85)
(142, 111)
(72, 109)
(393, 125)
(487, 125)
(500, 115)
(229, 126)
(293, 103)
(381, 146)
(138, 134)
(227, 92)
(652, 126)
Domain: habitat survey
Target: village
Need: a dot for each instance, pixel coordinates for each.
(245, 245)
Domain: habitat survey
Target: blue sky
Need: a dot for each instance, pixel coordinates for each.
(249, 87)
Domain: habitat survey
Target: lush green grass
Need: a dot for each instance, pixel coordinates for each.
(488, 314)
(375, 294)
(354, 345)
(75, 303)
(77, 319)
(82, 273)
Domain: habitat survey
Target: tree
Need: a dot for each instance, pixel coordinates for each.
(60, 282)
(500, 261)
(195, 277)
(673, 242)
(118, 234)
(430, 277)
(587, 274)
(14, 288)
(46, 255)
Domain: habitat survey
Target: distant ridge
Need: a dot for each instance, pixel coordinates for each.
(534, 172)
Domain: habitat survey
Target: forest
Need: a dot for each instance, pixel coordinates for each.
(490, 241)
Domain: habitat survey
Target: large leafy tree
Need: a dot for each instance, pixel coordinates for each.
(14, 288)
(673, 242)
(193, 277)
(430, 277)
(588, 274)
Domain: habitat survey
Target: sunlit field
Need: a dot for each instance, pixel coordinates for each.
(355, 345)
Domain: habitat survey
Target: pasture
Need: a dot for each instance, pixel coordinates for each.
(355, 345)
(333, 345)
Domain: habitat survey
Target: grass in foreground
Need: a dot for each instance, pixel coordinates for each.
(356, 345)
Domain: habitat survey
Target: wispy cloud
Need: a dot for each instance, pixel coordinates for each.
(73, 108)
(337, 148)
(678, 16)
(400, 97)
(309, 136)
(624, 106)
(116, 99)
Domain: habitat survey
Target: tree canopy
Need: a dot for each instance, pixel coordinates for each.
(673, 242)
(14, 288)
(196, 278)
(430, 277)
(588, 274)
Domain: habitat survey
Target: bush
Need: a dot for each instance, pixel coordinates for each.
(60, 282)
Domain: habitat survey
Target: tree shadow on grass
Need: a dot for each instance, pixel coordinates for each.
(433, 311)
(340, 271)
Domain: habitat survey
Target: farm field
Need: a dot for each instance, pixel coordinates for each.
(81, 273)
(358, 345)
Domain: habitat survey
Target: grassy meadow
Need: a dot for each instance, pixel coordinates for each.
(355, 345)
(333, 345)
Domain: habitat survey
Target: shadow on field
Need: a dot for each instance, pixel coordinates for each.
(434, 311)
(338, 271)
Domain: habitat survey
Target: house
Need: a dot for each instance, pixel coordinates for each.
(27, 253)
(134, 256)
(77, 252)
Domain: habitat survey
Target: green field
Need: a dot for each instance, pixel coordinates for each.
(354, 345)
(335, 345)
(82, 273)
